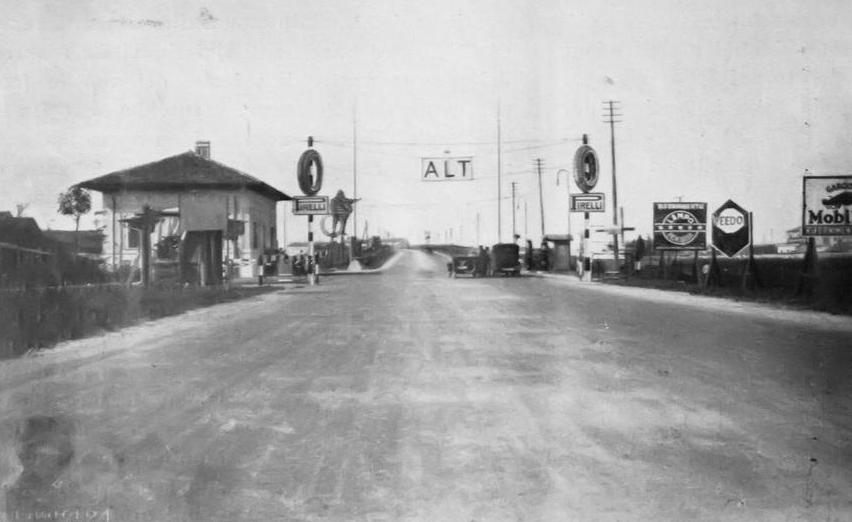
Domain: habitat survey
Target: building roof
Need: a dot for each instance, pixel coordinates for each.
(186, 171)
(89, 241)
(21, 231)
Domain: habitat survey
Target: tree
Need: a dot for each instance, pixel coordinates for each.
(75, 201)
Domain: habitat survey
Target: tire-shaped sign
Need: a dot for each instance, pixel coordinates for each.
(309, 182)
(324, 227)
(586, 168)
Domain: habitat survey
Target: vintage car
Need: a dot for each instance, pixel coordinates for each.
(505, 259)
(464, 265)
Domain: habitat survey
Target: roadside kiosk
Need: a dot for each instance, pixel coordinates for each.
(560, 253)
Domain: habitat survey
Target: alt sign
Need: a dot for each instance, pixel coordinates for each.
(446, 169)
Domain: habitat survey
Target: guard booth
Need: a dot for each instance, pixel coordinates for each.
(560, 252)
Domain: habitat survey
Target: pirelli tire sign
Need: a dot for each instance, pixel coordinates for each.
(827, 206)
(680, 226)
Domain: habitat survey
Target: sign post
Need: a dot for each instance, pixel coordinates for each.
(826, 211)
(731, 229)
(586, 177)
(309, 174)
(680, 226)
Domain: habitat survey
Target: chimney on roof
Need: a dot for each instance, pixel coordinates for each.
(202, 148)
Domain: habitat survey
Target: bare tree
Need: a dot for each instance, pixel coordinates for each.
(75, 201)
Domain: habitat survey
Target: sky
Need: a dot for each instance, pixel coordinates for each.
(718, 100)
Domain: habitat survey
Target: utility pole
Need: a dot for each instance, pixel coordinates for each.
(610, 117)
(514, 230)
(538, 163)
(499, 179)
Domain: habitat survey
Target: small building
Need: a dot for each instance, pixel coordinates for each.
(86, 243)
(204, 219)
(822, 243)
(26, 255)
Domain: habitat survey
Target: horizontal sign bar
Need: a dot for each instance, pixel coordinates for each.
(589, 202)
(310, 205)
(447, 169)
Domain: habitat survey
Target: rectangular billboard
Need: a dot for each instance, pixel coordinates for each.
(310, 205)
(827, 206)
(588, 202)
(446, 168)
(680, 226)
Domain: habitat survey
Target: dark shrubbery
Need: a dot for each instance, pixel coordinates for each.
(780, 278)
(40, 318)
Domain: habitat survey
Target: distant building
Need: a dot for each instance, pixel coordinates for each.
(797, 242)
(207, 215)
(88, 243)
(26, 255)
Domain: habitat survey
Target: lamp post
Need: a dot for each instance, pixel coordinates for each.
(567, 192)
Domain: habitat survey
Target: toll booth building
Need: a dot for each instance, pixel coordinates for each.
(203, 220)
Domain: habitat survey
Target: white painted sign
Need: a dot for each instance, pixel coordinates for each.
(729, 220)
(310, 205)
(588, 202)
(446, 169)
(827, 206)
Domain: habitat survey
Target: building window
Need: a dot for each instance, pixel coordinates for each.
(133, 237)
(273, 241)
(254, 231)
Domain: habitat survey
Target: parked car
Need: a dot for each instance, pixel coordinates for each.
(505, 259)
(464, 265)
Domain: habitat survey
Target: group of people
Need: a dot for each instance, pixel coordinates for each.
(540, 261)
(305, 264)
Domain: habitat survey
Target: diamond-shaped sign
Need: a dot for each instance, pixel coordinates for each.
(731, 229)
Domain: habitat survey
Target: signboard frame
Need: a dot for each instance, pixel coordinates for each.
(590, 197)
(730, 243)
(298, 210)
(447, 174)
(667, 225)
(824, 210)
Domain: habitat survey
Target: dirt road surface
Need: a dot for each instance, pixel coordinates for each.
(410, 396)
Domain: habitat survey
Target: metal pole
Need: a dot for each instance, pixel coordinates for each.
(514, 228)
(354, 170)
(614, 186)
(311, 279)
(540, 196)
(499, 181)
(587, 259)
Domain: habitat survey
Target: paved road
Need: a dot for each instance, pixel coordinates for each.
(409, 396)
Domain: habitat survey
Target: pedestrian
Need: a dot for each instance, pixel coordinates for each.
(481, 262)
(489, 271)
(545, 256)
(528, 255)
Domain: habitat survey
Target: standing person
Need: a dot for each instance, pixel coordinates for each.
(481, 262)
(545, 256)
(488, 270)
(528, 255)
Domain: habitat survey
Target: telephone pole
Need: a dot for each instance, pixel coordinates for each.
(610, 117)
(499, 179)
(514, 229)
(538, 163)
